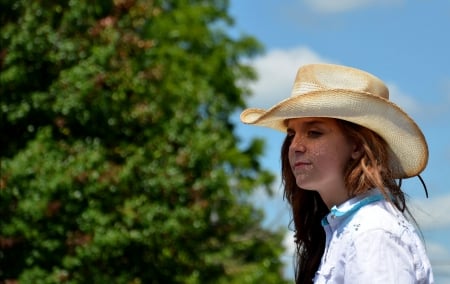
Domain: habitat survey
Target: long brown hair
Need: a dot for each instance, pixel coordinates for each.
(371, 170)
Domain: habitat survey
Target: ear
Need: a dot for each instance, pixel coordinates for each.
(357, 151)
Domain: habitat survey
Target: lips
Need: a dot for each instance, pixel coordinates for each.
(300, 165)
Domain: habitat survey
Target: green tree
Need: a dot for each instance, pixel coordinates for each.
(118, 159)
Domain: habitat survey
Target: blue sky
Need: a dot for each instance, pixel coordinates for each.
(405, 43)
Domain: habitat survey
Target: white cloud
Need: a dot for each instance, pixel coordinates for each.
(407, 103)
(434, 221)
(333, 6)
(288, 255)
(439, 256)
(438, 251)
(276, 71)
(432, 214)
(422, 110)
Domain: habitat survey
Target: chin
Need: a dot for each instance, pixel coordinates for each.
(305, 186)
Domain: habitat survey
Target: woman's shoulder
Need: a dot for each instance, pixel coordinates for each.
(380, 216)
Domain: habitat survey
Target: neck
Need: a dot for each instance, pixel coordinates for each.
(335, 196)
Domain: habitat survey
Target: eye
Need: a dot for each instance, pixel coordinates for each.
(314, 134)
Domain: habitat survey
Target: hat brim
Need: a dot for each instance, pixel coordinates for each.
(408, 147)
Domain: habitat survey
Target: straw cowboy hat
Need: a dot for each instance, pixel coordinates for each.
(326, 90)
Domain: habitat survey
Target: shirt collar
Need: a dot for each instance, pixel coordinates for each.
(349, 207)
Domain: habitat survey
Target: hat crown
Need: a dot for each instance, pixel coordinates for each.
(325, 77)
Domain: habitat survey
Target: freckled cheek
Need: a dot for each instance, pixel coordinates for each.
(318, 152)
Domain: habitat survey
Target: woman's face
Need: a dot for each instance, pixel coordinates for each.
(318, 155)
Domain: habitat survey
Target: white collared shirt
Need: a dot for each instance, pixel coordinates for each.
(368, 240)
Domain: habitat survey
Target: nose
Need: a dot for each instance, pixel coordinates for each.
(297, 144)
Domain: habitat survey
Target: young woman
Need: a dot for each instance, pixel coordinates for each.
(346, 146)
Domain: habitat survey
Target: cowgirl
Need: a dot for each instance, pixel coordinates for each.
(346, 144)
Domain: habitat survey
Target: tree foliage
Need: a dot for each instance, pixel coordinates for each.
(118, 159)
